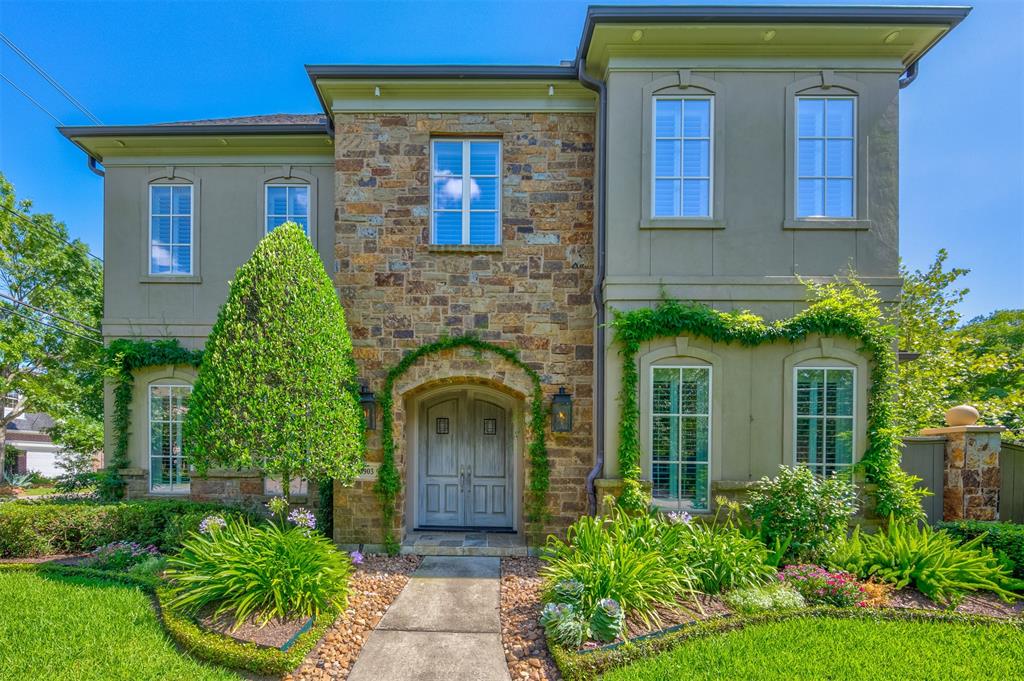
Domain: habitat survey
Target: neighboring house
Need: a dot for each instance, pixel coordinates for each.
(715, 154)
(28, 433)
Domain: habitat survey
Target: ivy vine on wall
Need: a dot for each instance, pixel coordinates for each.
(122, 358)
(847, 309)
(389, 482)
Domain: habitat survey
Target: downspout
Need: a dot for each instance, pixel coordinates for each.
(909, 76)
(600, 185)
(94, 168)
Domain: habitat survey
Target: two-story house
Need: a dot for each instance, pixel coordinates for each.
(715, 154)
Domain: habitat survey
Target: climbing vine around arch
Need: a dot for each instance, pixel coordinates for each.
(122, 358)
(850, 309)
(389, 482)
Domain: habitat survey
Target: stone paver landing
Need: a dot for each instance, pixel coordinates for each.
(443, 626)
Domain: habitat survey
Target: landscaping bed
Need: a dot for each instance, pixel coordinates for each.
(373, 588)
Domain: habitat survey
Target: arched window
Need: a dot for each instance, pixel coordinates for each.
(168, 473)
(680, 434)
(287, 202)
(824, 412)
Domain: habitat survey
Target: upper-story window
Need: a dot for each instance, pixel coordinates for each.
(465, 182)
(682, 157)
(826, 144)
(170, 224)
(287, 203)
(824, 418)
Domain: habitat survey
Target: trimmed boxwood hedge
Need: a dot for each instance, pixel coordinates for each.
(1004, 537)
(585, 665)
(39, 528)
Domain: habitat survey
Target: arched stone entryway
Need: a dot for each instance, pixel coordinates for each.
(466, 410)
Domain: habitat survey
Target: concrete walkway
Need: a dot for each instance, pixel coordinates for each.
(443, 626)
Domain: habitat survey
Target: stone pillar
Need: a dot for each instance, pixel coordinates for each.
(971, 476)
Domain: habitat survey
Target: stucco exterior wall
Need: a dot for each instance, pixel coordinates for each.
(751, 399)
(532, 294)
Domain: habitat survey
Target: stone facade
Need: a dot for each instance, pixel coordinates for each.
(971, 476)
(532, 294)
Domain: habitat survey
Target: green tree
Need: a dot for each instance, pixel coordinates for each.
(991, 376)
(927, 318)
(276, 387)
(51, 305)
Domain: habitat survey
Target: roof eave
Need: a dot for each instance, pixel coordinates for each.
(224, 130)
(949, 16)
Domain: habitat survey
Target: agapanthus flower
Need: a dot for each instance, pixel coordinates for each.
(357, 557)
(277, 505)
(300, 517)
(211, 522)
(680, 518)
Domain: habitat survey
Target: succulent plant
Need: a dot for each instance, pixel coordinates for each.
(568, 591)
(563, 624)
(607, 620)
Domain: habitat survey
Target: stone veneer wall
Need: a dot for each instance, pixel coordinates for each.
(534, 293)
(971, 473)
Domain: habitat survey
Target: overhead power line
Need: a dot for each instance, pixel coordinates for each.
(31, 99)
(52, 326)
(28, 221)
(48, 313)
(49, 79)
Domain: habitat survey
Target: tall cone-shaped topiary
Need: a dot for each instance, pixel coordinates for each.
(276, 387)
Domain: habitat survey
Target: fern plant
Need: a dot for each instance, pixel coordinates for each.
(932, 561)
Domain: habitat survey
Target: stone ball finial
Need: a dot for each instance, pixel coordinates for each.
(962, 415)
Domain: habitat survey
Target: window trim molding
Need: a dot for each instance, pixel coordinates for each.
(683, 84)
(170, 176)
(677, 352)
(465, 210)
(287, 176)
(824, 354)
(161, 383)
(826, 84)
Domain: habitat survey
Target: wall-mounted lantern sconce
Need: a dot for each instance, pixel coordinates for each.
(368, 402)
(561, 412)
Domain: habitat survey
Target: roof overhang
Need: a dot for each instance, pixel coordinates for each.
(359, 88)
(899, 35)
(103, 142)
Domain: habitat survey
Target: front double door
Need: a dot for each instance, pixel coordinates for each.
(465, 462)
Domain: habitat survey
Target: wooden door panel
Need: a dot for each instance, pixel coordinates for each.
(491, 469)
(440, 497)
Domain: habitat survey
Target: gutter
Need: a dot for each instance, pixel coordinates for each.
(177, 130)
(601, 89)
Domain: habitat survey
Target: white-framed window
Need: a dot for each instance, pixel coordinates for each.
(683, 157)
(823, 435)
(826, 156)
(681, 437)
(465, 181)
(287, 203)
(167, 406)
(170, 229)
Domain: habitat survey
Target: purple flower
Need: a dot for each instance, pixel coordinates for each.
(300, 517)
(680, 518)
(211, 522)
(357, 558)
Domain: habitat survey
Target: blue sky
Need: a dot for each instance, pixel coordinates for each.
(962, 121)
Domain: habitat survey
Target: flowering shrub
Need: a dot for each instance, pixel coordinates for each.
(768, 598)
(818, 586)
(121, 555)
(210, 523)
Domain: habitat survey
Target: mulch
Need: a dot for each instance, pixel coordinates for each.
(275, 633)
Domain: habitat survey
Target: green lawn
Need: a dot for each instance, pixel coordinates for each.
(818, 648)
(57, 628)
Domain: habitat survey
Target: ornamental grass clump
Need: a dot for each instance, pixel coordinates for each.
(622, 557)
(259, 572)
(818, 586)
(938, 565)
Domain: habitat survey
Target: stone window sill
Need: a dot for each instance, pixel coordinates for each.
(182, 279)
(681, 223)
(464, 248)
(791, 223)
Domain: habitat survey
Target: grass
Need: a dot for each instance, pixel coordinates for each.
(822, 648)
(75, 628)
